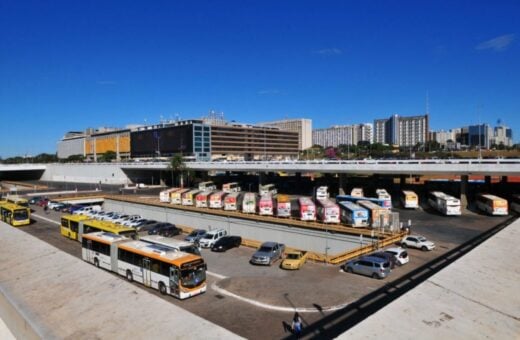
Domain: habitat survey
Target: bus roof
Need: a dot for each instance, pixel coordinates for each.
(12, 206)
(350, 205)
(108, 226)
(409, 192)
(492, 197)
(305, 200)
(167, 241)
(75, 218)
(159, 252)
(369, 205)
(218, 194)
(105, 237)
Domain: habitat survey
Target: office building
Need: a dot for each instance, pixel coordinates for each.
(402, 131)
(302, 126)
(502, 135)
(342, 135)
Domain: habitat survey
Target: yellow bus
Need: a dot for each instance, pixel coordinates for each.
(492, 204)
(74, 226)
(15, 215)
(18, 201)
(172, 272)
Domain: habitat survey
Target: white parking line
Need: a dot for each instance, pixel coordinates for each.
(222, 291)
(45, 219)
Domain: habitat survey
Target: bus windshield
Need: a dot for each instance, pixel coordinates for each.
(20, 214)
(194, 276)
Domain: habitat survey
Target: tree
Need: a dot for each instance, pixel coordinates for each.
(178, 167)
(108, 156)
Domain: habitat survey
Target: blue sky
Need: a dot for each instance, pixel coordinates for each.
(69, 65)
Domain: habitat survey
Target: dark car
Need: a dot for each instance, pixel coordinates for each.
(157, 228)
(35, 199)
(146, 225)
(227, 242)
(169, 231)
(386, 256)
(195, 235)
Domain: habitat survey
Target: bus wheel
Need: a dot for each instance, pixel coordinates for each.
(129, 276)
(162, 288)
(96, 262)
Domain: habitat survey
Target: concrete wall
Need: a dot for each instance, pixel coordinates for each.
(317, 241)
(85, 173)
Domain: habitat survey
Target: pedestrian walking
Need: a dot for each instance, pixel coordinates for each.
(296, 324)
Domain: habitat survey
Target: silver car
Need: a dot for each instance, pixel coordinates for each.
(374, 267)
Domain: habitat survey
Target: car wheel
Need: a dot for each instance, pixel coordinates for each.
(375, 276)
(96, 262)
(404, 245)
(349, 270)
(423, 248)
(162, 288)
(129, 276)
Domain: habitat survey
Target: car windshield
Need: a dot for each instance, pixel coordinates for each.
(422, 239)
(292, 256)
(391, 252)
(265, 249)
(386, 265)
(208, 236)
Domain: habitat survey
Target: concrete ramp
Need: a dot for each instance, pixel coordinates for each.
(46, 293)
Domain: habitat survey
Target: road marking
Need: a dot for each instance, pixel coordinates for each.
(247, 300)
(256, 303)
(46, 219)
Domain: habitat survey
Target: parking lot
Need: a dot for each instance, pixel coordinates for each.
(254, 301)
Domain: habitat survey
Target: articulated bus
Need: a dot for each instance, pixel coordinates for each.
(231, 187)
(379, 216)
(307, 209)
(353, 214)
(492, 204)
(409, 199)
(75, 226)
(328, 211)
(176, 273)
(15, 215)
(445, 204)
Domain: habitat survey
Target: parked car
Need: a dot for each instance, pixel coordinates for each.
(130, 219)
(374, 267)
(35, 199)
(400, 254)
(212, 236)
(227, 242)
(52, 204)
(146, 225)
(195, 235)
(386, 256)
(268, 253)
(294, 259)
(417, 241)
(164, 227)
(169, 230)
(43, 202)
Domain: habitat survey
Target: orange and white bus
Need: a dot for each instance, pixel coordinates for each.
(409, 199)
(216, 200)
(201, 200)
(492, 204)
(176, 273)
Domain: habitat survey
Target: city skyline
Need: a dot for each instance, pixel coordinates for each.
(71, 66)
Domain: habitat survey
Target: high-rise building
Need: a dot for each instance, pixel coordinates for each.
(402, 131)
(302, 126)
(480, 135)
(342, 134)
(502, 135)
(444, 137)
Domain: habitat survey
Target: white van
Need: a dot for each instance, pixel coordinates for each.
(208, 240)
(87, 209)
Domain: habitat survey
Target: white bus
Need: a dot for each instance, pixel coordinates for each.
(164, 196)
(249, 203)
(327, 211)
(492, 204)
(322, 193)
(383, 195)
(266, 205)
(206, 186)
(409, 199)
(445, 204)
(268, 189)
(232, 201)
(231, 187)
(176, 196)
(353, 214)
(357, 192)
(307, 209)
(172, 272)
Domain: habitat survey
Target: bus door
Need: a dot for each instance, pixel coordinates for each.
(147, 273)
(89, 251)
(174, 281)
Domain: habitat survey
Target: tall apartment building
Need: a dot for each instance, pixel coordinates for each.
(302, 126)
(342, 134)
(402, 131)
(442, 137)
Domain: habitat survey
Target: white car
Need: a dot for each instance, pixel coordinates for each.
(400, 254)
(417, 241)
(209, 239)
(130, 219)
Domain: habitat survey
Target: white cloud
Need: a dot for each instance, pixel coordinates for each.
(329, 51)
(497, 44)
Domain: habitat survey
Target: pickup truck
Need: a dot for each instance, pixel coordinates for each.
(294, 259)
(268, 253)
